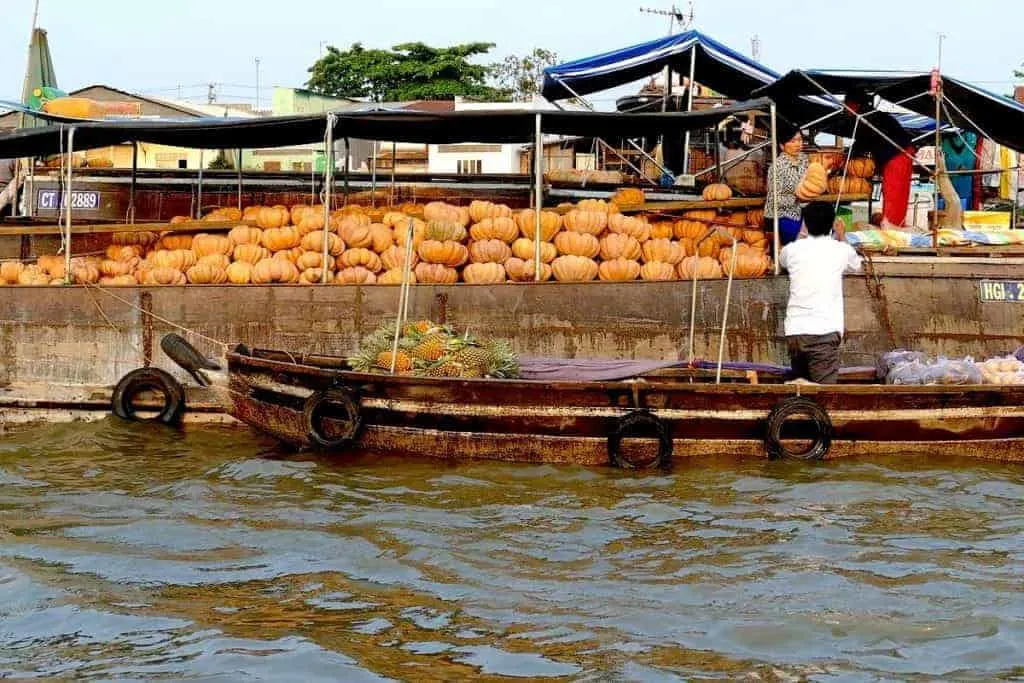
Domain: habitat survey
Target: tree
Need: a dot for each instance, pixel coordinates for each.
(523, 77)
(221, 162)
(411, 71)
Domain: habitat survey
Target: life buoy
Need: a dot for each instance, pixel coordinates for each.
(789, 408)
(349, 417)
(149, 379)
(628, 425)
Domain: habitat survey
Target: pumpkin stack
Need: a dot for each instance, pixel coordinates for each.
(442, 250)
(813, 184)
(490, 248)
(522, 266)
(856, 180)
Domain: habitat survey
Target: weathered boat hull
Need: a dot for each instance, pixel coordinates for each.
(533, 422)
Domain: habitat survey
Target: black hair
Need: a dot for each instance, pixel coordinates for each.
(819, 218)
(785, 131)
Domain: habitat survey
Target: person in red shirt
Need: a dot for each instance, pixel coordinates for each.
(894, 157)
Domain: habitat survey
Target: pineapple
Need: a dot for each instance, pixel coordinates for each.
(403, 363)
(420, 328)
(504, 364)
(475, 358)
(431, 347)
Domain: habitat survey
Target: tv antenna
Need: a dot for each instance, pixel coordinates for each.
(674, 15)
(755, 47)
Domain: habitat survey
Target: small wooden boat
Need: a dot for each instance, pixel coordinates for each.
(315, 402)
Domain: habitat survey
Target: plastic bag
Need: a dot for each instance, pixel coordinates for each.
(917, 370)
(890, 360)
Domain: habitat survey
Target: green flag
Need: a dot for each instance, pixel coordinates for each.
(40, 78)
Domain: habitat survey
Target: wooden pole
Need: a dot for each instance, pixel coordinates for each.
(67, 206)
(135, 175)
(774, 189)
(328, 181)
(199, 186)
(239, 180)
(538, 195)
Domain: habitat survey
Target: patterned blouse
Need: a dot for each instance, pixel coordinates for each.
(791, 171)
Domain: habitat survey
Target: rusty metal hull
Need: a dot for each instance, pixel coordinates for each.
(534, 422)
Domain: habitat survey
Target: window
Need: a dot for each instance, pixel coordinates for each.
(469, 166)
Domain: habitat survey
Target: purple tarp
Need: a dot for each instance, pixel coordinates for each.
(602, 370)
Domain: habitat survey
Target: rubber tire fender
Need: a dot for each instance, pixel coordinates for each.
(313, 419)
(627, 424)
(798, 405)
(143, 379)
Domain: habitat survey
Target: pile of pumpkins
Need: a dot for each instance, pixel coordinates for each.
(482, 243)
(854, 180)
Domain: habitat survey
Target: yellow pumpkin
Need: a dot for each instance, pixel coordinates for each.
(393, 276)
(663, 230)
(435, 273)
(689, 229)
(550, 224)
(126, 254)
(314, 259)
(419, 233)
(619, 246)
(489, 251)
(50, 264)
(217, 261)
(250, 213)
(315, 276)
(250, 253)
(445, 231)
(861, 167)
(750, 263)
(239, 273)
(480, 211)
(118, 281)
(204, 245)
(598, 205)
(502, 228)
(33, 276)
(383, 237)
(279, 239)
(574, 269)
(314, 241)
(174, 242)
(275, 271)
(361, 257)
(717, 192)
(299, 211)
(589, 222)
(577, 244)
(166, 276)
(394, 258)
(618, 270)
(270, 218)
(657, 271)
(629, 196)
(395, 219)
(524, 270)
(110, 268)
(206, 274)
(525, 249)
(178, 259)
(311, 221)
(705, 267)
(356, 235)
(625, 225)
(451, 254)
(290, 255)
(663, 251)
(484, 273)
(440, 211)
(245, 234)
(355, 275)
(10, 271)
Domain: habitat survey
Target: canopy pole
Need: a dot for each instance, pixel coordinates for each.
(135, 176)
(67, 207)
(775, 184)
(689, 107)
(345, 175)
(394, 164)
(538, 195)
(373, 177)
(199, 203)
(328, 179)
(937, 87)
(239, 180)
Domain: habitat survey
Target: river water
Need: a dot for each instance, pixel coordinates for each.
(133, 552)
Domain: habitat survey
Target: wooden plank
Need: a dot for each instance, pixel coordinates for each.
(738, 203)
(108, 228)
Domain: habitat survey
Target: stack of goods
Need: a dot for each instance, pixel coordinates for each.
(888, 240)
(483, 243)
(912, 368)
(426, 349)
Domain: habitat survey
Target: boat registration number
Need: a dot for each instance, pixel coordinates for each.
(1005, 290)
(80, 199)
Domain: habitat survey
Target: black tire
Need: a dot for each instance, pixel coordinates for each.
(149, 379)
(788, 408)
(312, 416)
(642, 421)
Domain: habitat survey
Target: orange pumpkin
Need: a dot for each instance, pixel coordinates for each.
(589, 222)
(525, 249)
(489, 251)
(279, 239)
(206, 274)
(736, 218)
(625, 225)
(750, 263)
(688, 229)
(311, 221)
(451, 254)
(395, 219)
(599, 205)
(356, 235)
(166, 276)
(394, 258)
(315, 276)
(178, 259)
(299, 211)
(577, 244)
(239, 273)
(250, 213)
(702, 215)
(365, 258)
(33, 276)
(393, 276)
(419, 233)
(849, 186)
(313, 259)
(657, 271)
(140, 239)
(484, 273)
(174, 242)
(413, 209)
(250, 253)
(245, 234)
(861, 167)
(10, 271)
(117, 252)
(314, 241)
(629, 196)
(618, 270)
(270, 218)
(524, 270)
(435, 273)
(275, 271)
(502, 228)
(706, 268)
(619, 246)
(753, 236)
(51, 265)
(219, 261)
(383, 237)
(662, 230)
(110, 268)
(290, 255)
(204, 245)
(755, 218)
(117, 281)
(480, 211)
(813, 184)
(445, 231)
(440, 211)
(664, 251)
(574, 269)
(355, 275)
(550, 224)
(717, 192)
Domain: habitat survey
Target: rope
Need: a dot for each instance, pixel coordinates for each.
(165, 321)
(111, 324)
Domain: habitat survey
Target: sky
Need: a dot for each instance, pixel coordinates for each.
(171, 48)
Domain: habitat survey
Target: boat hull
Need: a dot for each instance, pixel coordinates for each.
(533, 422)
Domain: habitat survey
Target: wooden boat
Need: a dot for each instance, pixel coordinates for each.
(314, 402)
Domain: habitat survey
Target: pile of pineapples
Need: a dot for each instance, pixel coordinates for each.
(426, 349)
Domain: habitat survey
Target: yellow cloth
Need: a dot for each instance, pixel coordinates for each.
(1006, 178)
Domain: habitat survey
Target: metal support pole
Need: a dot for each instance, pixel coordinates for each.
(538, 195)
(239, 180)
(373, 177)
(328, 181)
(774, 189)
(689, 107)
(345, 175)
(199, 185)
(394, 164)
(66, 196)
(135, 175)
(938, 150)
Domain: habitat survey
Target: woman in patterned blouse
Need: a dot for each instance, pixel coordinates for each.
(790, 168)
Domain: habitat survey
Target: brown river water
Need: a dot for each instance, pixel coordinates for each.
(129, 551)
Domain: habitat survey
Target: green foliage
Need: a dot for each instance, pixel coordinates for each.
(221, 162)
(523, 77)
(411, 71)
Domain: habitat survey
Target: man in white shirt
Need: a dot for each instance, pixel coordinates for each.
(814, 316)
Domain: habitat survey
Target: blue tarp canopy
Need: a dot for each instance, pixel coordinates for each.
(722, 69)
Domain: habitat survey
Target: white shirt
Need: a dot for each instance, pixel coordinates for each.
(816, 266)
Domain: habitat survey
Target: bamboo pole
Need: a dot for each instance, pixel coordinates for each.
(199, 186)
(937, 83)
(67, 206)
(538, 196)
(774, 189)
(403, 296)
(725, 313)
(328, 180)
(239, 179)
(135, 176)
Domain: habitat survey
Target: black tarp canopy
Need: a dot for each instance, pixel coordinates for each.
(967, 106)
(392, 126)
